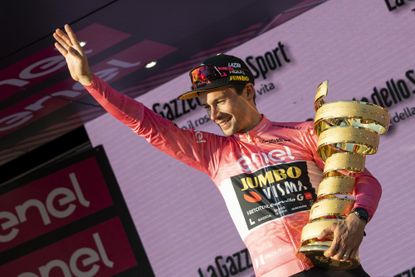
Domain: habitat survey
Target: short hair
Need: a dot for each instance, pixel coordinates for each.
(239, 88)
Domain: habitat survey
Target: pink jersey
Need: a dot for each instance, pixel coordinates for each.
(268, 176)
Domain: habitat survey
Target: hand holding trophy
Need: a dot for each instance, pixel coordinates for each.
(347, 131)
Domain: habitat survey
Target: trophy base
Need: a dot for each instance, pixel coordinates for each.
(315, 252)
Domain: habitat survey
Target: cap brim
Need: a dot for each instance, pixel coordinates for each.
(188, 95)
(195, 93)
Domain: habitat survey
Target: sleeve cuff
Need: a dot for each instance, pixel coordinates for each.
(94, 82)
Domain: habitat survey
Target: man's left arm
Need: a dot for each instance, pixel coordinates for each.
(348, 234)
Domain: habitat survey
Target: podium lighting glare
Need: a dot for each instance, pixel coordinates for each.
(151, 64)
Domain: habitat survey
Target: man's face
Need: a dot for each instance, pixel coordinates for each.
(230, 111)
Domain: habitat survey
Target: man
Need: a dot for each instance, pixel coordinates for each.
(257, 165)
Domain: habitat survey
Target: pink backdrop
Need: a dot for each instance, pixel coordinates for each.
(357, 46)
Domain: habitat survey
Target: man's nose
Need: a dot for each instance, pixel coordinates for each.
(213, 113)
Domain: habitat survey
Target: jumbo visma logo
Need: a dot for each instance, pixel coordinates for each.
(272, 192)
(272, 183)
(239, 78)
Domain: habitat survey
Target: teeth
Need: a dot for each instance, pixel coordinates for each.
(224, 122)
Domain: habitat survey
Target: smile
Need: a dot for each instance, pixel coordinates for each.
(224, 122)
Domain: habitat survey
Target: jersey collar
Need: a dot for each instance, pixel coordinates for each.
(262, 126)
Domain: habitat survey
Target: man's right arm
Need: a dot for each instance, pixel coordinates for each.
(200, 150)
(184, 145)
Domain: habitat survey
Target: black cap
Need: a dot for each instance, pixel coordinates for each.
(234, 70)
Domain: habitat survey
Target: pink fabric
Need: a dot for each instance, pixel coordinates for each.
(266, 176)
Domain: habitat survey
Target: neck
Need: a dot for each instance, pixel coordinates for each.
(255, 121)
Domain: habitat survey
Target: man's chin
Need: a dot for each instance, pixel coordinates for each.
(228, 132)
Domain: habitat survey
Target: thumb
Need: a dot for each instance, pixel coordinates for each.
(327, 232)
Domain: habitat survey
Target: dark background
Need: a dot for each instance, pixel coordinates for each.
(196, 29)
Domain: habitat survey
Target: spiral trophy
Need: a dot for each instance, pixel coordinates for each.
(347, 131)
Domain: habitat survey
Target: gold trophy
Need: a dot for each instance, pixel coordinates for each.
(347, 131)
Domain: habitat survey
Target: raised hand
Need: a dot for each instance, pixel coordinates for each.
(68, 45)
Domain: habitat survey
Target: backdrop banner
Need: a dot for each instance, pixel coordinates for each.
(365, 49)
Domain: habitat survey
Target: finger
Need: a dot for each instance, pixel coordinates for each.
(63, 36)
(332, 249)
(61, 49)
(73, 38)
(61, 41)
(340, 254)
(324, 233)
(354, 254)
(347, 255)
(328, 232)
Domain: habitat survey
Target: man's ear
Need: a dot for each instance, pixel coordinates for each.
(250, 91)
